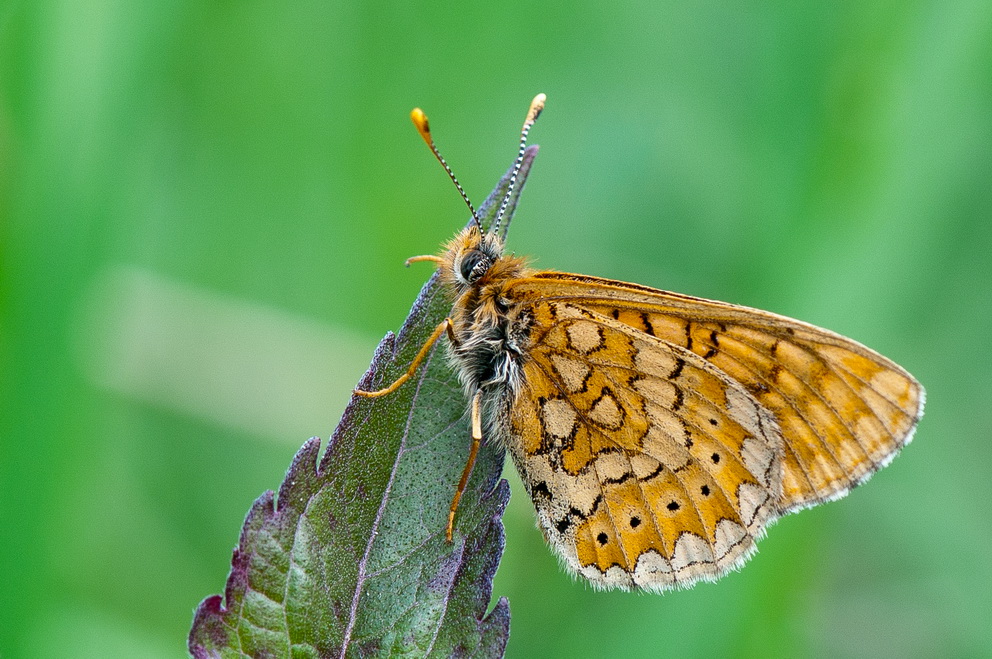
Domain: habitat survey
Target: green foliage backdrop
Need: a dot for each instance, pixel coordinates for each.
(204, 209)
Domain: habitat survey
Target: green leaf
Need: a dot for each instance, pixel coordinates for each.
(350, 560)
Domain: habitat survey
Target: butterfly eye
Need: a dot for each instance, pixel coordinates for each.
(473, 265)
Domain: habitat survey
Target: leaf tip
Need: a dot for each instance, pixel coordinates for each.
(208, 627)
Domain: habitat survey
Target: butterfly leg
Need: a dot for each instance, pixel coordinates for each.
(443, 326)
(472, 455)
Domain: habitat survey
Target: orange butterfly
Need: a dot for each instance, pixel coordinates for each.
(657, 434)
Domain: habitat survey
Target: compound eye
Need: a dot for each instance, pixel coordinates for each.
(473, 265)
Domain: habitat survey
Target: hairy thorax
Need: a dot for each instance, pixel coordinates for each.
(490, 331)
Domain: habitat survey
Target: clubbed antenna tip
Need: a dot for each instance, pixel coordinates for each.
(424, 128)
(536, 106)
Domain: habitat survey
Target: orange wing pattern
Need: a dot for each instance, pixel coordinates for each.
(659, 433)
(647, 466)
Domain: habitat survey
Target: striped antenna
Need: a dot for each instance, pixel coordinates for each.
(536, 106)
(423, 127)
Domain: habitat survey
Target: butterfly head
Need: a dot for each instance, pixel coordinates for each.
(472, 258)
(475, 256)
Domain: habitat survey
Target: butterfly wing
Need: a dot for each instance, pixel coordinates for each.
(647, 465)
(624, 382)
(844, 410)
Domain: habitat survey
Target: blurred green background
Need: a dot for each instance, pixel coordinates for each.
(204, 209)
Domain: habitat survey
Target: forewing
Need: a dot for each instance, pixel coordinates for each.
(648, 466)
(843, 409)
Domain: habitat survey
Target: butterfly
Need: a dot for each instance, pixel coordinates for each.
(658, 434)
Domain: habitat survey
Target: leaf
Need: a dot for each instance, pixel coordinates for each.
(350, 559)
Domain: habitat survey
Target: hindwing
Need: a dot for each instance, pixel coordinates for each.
(658, 434)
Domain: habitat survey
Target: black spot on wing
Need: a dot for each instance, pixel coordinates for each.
(541, 489)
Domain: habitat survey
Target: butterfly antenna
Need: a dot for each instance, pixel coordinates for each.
(424, 128)
(536, 106)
